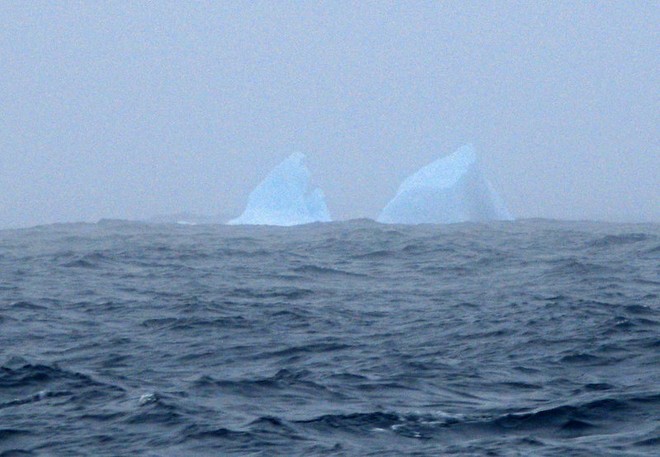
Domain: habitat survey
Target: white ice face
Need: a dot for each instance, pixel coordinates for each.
(284, 197)
(451, 189)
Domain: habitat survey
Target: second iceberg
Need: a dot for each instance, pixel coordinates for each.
(451, 189)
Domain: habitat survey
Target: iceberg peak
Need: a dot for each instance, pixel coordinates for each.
(451, 189)
(285, 198)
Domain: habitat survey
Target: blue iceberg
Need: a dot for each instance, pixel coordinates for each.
(451, 189)
(284, 198)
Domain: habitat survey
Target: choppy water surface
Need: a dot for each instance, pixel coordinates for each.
(525, 338)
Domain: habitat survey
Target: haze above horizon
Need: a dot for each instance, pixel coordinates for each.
(129, 110)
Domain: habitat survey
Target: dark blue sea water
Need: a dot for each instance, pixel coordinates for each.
(533, 338)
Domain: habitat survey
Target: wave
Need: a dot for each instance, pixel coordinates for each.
(608, 241)
(35, 383)
(315, 270)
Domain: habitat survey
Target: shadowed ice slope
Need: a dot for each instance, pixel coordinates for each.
(284, 197)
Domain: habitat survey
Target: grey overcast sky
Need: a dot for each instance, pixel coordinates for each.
(129, 109)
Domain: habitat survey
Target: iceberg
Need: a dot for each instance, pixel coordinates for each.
(285, 198)
(451, 189)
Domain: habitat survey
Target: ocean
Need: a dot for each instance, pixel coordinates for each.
(527, 338)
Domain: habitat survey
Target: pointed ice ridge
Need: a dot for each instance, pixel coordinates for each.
(284, 197)
(451, 189)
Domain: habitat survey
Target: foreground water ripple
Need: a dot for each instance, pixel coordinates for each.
(525, 338)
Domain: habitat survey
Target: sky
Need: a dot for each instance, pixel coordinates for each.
(132, 109)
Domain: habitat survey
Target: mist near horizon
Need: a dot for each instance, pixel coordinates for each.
(129, 111)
